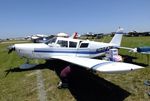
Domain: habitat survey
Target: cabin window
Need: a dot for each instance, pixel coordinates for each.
(62, 43)
(72, 44)
(84, 45)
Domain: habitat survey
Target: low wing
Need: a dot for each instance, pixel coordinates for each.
(100, 65)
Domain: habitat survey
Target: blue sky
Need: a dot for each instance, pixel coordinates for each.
(27, 17)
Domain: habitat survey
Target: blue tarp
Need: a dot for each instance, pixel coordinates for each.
(143, 49)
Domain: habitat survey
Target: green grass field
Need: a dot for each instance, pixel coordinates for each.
(21, 85)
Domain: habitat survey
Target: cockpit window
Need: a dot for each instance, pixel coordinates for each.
(50, 41)
(84, 45)
(72, 44)
(62, 43)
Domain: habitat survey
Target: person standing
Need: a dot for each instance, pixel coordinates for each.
(64, 76)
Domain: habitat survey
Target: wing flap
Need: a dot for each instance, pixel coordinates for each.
(100, 65)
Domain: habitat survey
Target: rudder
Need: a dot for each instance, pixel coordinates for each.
(117, 37)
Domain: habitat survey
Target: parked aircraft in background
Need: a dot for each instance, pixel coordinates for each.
(75, 51)
(38, 38)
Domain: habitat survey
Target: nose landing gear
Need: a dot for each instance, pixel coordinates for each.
(26, 65)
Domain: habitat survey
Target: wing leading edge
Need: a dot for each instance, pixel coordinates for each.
(100, 65)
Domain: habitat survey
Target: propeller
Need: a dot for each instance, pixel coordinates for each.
(11, 48)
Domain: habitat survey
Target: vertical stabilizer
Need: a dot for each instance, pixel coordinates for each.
(117, 37)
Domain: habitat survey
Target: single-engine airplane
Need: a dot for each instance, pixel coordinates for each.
(75, 51)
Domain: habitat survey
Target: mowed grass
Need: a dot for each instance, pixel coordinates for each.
(133, 82)
(19, 85)
(15, 85)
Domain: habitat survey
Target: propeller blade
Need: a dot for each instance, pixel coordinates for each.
(11, 48)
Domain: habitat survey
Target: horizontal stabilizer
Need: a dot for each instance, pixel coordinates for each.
(144, 50)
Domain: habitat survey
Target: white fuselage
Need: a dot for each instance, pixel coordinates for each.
(74, 51)
(62, 47)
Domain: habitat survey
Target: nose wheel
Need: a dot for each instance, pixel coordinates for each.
(26, 65)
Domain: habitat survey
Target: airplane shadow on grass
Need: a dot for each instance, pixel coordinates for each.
(17, 69)
(129, 59)
(83, 84)
(86, 86)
